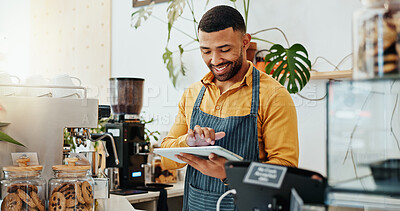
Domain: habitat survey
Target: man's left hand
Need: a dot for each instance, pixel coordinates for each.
(213, 167)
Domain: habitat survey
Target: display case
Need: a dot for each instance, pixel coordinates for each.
(363, 143)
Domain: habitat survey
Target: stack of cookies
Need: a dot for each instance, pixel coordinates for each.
(22, 196)
(72, 196)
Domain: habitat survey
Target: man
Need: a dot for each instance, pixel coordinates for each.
(234, 106)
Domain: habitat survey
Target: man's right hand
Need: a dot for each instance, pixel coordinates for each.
(203, 136)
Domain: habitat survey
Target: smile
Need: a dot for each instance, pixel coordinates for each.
(221, 68)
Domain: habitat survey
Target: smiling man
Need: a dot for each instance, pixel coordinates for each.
(234, 106)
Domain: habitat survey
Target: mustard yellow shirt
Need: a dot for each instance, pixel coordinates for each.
(276, 122)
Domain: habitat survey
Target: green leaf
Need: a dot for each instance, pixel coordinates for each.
(175, 9)
(141, 14)
(7, 138)
(169, 64)
(294, 66)
(183, 68)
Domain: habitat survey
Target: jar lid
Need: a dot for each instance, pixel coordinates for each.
(23, 166)
(71, 166)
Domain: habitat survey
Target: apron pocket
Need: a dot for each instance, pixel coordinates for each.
(205, 200)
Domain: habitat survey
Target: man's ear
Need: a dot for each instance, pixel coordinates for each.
(246, 41)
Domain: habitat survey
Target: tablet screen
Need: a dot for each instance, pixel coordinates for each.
(203, 152)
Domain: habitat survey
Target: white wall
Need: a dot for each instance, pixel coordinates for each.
(322, 26)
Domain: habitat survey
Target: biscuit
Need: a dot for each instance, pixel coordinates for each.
(11, 202)
(27, 188)
(87, 192)
(79, 207)
(26, 198)
(57, 202)
(38, 202)
(63, 187)
(70, 198)
(78, 191)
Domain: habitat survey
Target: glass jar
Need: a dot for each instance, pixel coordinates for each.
(71, 187)
(376, 39)
(23, 187)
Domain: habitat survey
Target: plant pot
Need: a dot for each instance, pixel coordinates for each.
(251, 51)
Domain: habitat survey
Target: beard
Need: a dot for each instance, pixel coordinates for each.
(235, 66)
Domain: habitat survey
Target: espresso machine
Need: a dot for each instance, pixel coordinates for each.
(128, 132)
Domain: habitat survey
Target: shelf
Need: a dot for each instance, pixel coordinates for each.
(343, 74)
(366, 185)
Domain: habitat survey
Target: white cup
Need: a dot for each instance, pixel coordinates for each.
(38, 80)
(7, 79)
(66, 80)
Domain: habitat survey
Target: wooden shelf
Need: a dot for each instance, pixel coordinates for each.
(343, 74)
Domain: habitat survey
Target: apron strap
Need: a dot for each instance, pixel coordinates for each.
(255, 92)
(199, 97)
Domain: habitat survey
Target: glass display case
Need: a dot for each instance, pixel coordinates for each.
(363, 142)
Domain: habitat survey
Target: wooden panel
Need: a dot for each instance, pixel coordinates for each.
(73, 37)
(331, 75)
(139, 3)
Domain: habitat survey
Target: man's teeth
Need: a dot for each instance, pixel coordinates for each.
(220, 68)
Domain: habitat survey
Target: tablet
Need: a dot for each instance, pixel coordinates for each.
(203, 152)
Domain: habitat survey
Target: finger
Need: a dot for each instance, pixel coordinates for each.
(206, 133)
(217, 159)
(190, 133)
(197, 130)
(212, 133)
(219, 135)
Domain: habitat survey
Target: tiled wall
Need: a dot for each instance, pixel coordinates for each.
(73, 37)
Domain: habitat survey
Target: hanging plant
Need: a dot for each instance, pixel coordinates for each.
(293, 65)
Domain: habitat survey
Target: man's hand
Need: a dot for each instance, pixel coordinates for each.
(203, 136)
(214, 167)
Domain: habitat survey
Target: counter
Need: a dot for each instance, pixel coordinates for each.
(148, 201)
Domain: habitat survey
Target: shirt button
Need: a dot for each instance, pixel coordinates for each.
(217, 107)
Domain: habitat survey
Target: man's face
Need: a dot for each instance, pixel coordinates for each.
(222, 51)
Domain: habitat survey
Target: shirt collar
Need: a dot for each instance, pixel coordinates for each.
(247, 80)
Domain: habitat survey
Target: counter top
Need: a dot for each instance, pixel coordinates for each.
(176, 190)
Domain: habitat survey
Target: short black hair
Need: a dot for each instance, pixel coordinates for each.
(222, 17)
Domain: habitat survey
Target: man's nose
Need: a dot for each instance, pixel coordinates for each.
(216, 59)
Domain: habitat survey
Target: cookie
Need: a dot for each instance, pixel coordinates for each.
(87, 192)
(38, 202)
(70, 198)
(63, 187)
(78, 192)
(79, 207)
(57, 202)
(11, 202)
(26, 207)
(25, 198)
(27, 188)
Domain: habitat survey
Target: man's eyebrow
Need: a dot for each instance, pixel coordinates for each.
(221, 46)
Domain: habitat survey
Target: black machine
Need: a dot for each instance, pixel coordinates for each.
(308, 185)
(132, 152)
(128, 132)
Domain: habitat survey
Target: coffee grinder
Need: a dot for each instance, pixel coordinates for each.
(128, 132)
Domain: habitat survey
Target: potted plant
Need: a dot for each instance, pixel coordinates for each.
(290, 66)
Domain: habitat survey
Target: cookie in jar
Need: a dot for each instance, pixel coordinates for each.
(71, 188)
(23, 187)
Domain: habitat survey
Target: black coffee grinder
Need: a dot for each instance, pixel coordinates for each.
(128, 132)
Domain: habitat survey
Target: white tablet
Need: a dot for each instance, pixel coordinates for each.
(203, 152)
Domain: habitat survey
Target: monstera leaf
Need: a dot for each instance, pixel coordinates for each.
(293, 66)
(141, 15)
(7, 138)
(175, 9)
